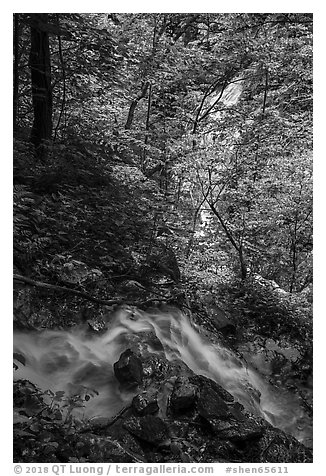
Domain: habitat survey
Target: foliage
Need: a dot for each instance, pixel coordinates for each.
(237, 173)
(180, 142)
(180, 161)
(268, 310)
(179, 170)
(44, 421)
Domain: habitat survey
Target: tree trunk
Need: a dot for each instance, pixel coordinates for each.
(63, 102)
(16, 67)
(134, 104)
(232, 239)
(293, 252)
(40, 65)
(243, 266)
(147, 127)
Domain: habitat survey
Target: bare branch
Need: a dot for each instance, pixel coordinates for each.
(40, 284)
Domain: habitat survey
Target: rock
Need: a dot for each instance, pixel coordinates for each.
(155, 367)
(211, 406)
(73, 272)
(275, 446)
(222, 322)
(183, 396)
(143, 343)
(237, 411)
(149, 428)
(145, 403)
(221, 451)
(218, 317)
(201, 381)
(234, 430)
(129, 369)
(117, 432)
(132, 288)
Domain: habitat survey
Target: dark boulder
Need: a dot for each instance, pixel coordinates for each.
(183, 396)
(203, 382)
(234, 430)
(129, 443)
(218, 317)
(145, 403)
(149, 428)
(211, 406)
(155, 368)
(129, 369)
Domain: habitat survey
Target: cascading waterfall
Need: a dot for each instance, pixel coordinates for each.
(77, 361)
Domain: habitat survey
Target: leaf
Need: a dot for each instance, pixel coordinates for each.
(35, 427)
(50, 447)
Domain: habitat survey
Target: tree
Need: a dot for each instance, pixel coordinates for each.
(246, 129)
(40, 65)
(16, 67)
(206, 110)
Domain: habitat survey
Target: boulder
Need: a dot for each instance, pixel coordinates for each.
(145, 403)
(204, 382)
(237, 431)
(149, 428)
(183, 396)
(155, 368)
(211, 406)
(129, 369)
(222, 322)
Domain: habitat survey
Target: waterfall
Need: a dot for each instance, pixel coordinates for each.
(76, 361)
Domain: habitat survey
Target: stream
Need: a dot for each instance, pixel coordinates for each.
(76, 361)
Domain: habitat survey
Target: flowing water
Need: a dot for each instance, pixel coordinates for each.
(76, 361)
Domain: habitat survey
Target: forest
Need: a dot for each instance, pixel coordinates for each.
(162, 225)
